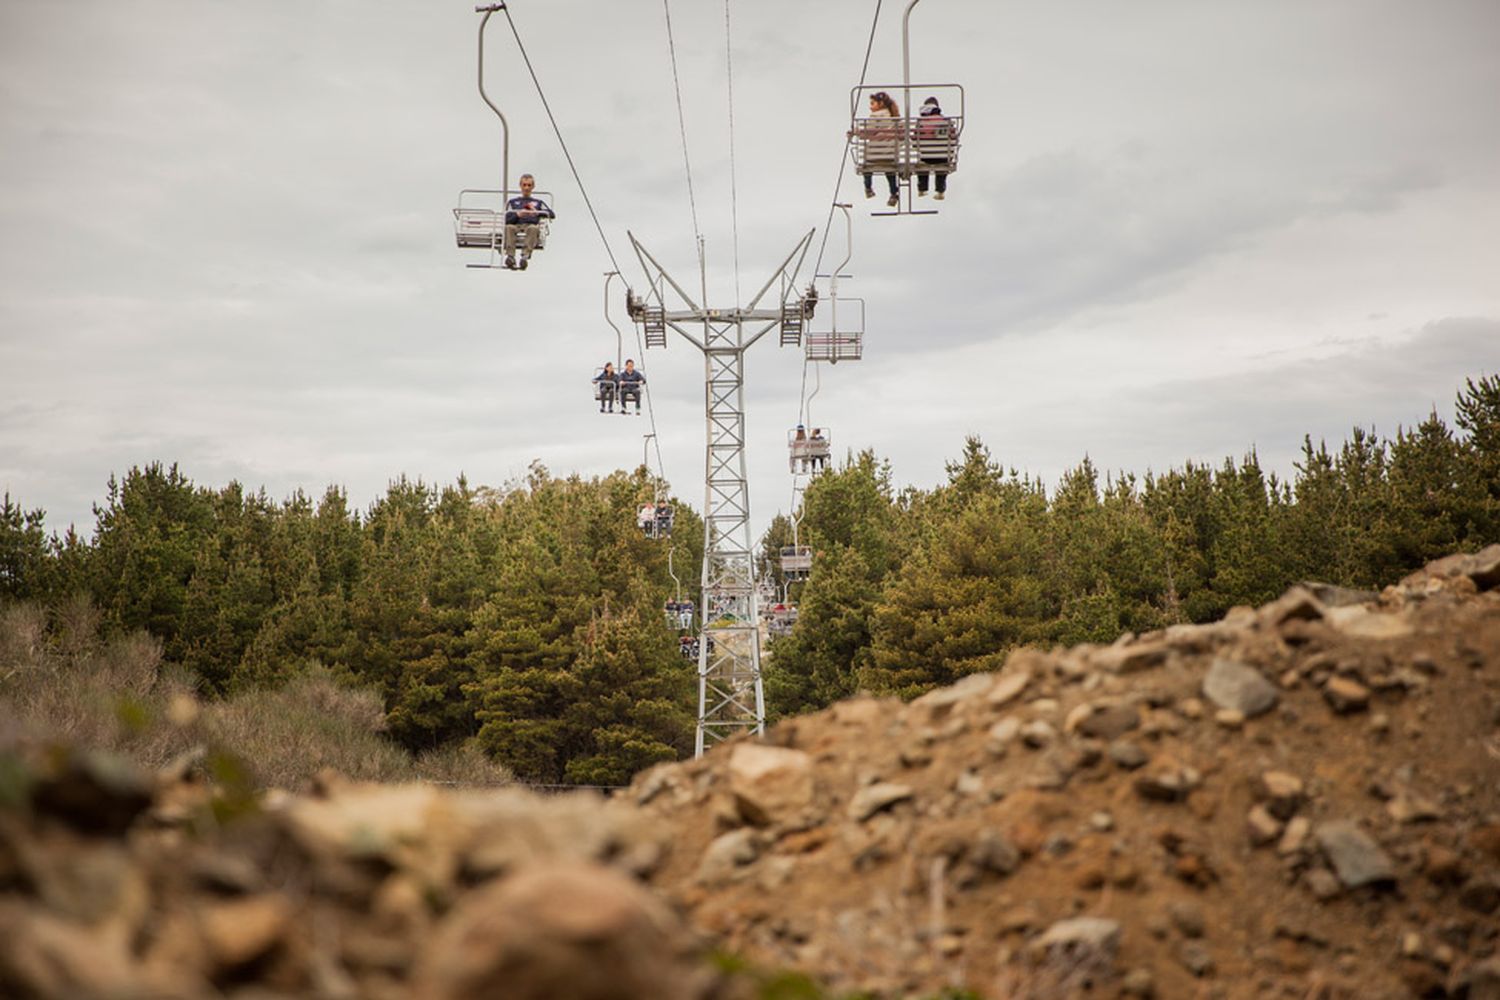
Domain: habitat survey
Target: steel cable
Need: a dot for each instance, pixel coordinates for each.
(682, 122)
(561, 142)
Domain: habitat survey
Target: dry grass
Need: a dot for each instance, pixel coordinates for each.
(464, 764)
(61, 683)
(288, 735)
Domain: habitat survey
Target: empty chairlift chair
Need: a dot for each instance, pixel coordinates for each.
(846, 340)
(796, 562)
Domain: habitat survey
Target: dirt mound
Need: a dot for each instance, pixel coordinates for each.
(1300, 801)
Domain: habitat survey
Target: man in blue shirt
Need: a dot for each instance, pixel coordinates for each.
(523, 216)
(630, 386)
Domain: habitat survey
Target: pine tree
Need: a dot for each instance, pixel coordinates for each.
(24, 553)
(1478, 416)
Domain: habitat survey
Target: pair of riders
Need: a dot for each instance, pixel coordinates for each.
(523, 216)
(934, 138)
(625, 384)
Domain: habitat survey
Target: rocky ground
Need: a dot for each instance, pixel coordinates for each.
(1299, 801)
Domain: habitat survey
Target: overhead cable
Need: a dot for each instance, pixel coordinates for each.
(734, 201)
(563, 143)
(650, 410)
(863, 71)
(682, 123)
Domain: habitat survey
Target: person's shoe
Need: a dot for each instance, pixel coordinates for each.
(510, 263)
(938, 196)
(869, 192)
(921, 192)
(893, 201)
(524, 262)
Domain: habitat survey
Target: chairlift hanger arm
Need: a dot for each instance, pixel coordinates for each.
(619, 337)
(488, 10)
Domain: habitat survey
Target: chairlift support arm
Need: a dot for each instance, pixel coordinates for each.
(619, 338)
(487, 10)
(906, 72)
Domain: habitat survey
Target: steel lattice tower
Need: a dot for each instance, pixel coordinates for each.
(731, 696)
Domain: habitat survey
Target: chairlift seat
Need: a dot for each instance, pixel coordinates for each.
(808, 452)
(845, 341)
(906, 146)
(479, 220)
(796, 561)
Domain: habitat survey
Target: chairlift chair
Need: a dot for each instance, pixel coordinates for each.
(796, 561)
(783, 619)
(844, 338)
(680, 614)
(906, 146)
(844, 342)
(479, 224)
(655, 519)
(808, 453)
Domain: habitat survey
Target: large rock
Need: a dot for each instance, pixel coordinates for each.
(726, 854)
(1087, 941)
(940, 702)
(1110, 722)
(1239, 687)
(771, 784)
(582, 932)
(1361, 623)
(1355, 856)
(873, 798)
(1007, 687)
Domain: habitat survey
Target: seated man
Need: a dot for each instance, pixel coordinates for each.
(630, 386)
(523, 216)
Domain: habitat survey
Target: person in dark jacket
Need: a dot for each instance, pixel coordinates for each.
(605, 384)
(630, 386)
(934, 145)
(523, 217)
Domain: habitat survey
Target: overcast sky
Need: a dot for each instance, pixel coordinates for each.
(1179, 231)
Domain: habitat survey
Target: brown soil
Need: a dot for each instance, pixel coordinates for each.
(1299, 801)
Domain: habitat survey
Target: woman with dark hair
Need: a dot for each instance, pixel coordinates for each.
(605, 384)
(880, 143)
